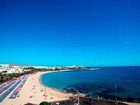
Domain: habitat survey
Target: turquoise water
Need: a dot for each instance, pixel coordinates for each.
(99, 82)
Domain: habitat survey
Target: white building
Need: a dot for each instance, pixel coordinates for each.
(10, 69)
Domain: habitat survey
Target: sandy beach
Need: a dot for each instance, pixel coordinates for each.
(33, 92)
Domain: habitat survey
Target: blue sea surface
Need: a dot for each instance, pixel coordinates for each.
(100, 82)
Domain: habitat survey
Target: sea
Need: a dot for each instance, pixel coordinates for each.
(122, 83)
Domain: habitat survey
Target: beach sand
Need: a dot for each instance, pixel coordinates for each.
(33, 92)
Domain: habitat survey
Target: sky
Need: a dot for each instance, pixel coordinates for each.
(70, 32)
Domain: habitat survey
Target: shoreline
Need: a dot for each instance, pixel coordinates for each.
(43, 73)
(55, 89)
(126, 102)
(33, 92)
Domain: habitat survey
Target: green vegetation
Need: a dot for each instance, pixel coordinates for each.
(44, 103)
(6, 77)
